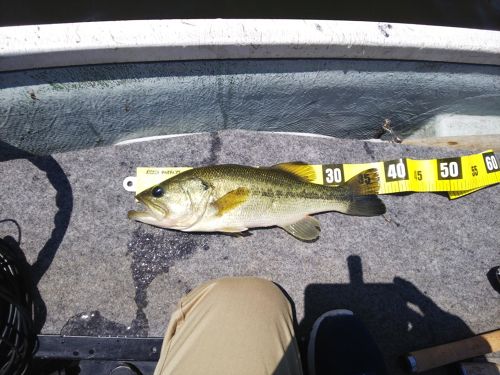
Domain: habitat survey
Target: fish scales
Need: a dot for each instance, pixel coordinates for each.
(272, 190)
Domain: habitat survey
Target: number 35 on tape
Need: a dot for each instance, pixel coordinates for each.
(458, 175)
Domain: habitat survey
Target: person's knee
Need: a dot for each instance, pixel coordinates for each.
(243, 281)
(245, 285)
(248, 291)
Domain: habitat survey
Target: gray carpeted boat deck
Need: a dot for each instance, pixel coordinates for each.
(417, 276)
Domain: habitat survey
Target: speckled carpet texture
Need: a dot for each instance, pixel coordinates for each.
(416, 276)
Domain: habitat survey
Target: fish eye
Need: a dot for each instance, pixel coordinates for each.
(157, 192)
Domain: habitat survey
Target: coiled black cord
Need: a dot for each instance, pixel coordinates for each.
(17, 337)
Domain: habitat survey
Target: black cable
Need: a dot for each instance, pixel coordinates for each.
(17, 336)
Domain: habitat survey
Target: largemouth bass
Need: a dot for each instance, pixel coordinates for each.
(234, 198)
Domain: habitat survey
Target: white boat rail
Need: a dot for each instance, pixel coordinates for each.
(42, 46)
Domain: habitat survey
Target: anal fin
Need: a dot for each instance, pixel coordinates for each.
(306, 229)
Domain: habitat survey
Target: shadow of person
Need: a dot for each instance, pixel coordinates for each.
(64, 203)
(38, 308)
(399, 316)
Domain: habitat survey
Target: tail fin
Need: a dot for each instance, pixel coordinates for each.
(365, 205)
(365, 183)
(363, 188)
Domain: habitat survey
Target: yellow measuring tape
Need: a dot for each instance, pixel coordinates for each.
(458, 176)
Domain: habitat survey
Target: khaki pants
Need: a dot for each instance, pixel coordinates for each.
(231, 326)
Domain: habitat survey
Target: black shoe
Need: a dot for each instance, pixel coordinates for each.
(341, 345)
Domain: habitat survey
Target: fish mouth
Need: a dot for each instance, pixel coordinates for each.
(152, 213)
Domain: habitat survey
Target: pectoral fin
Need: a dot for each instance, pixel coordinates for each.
(231, 200)
(306, 229)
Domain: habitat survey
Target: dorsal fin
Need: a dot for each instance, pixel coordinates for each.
(299, 169)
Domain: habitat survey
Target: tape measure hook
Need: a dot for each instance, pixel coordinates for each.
(129, 183)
